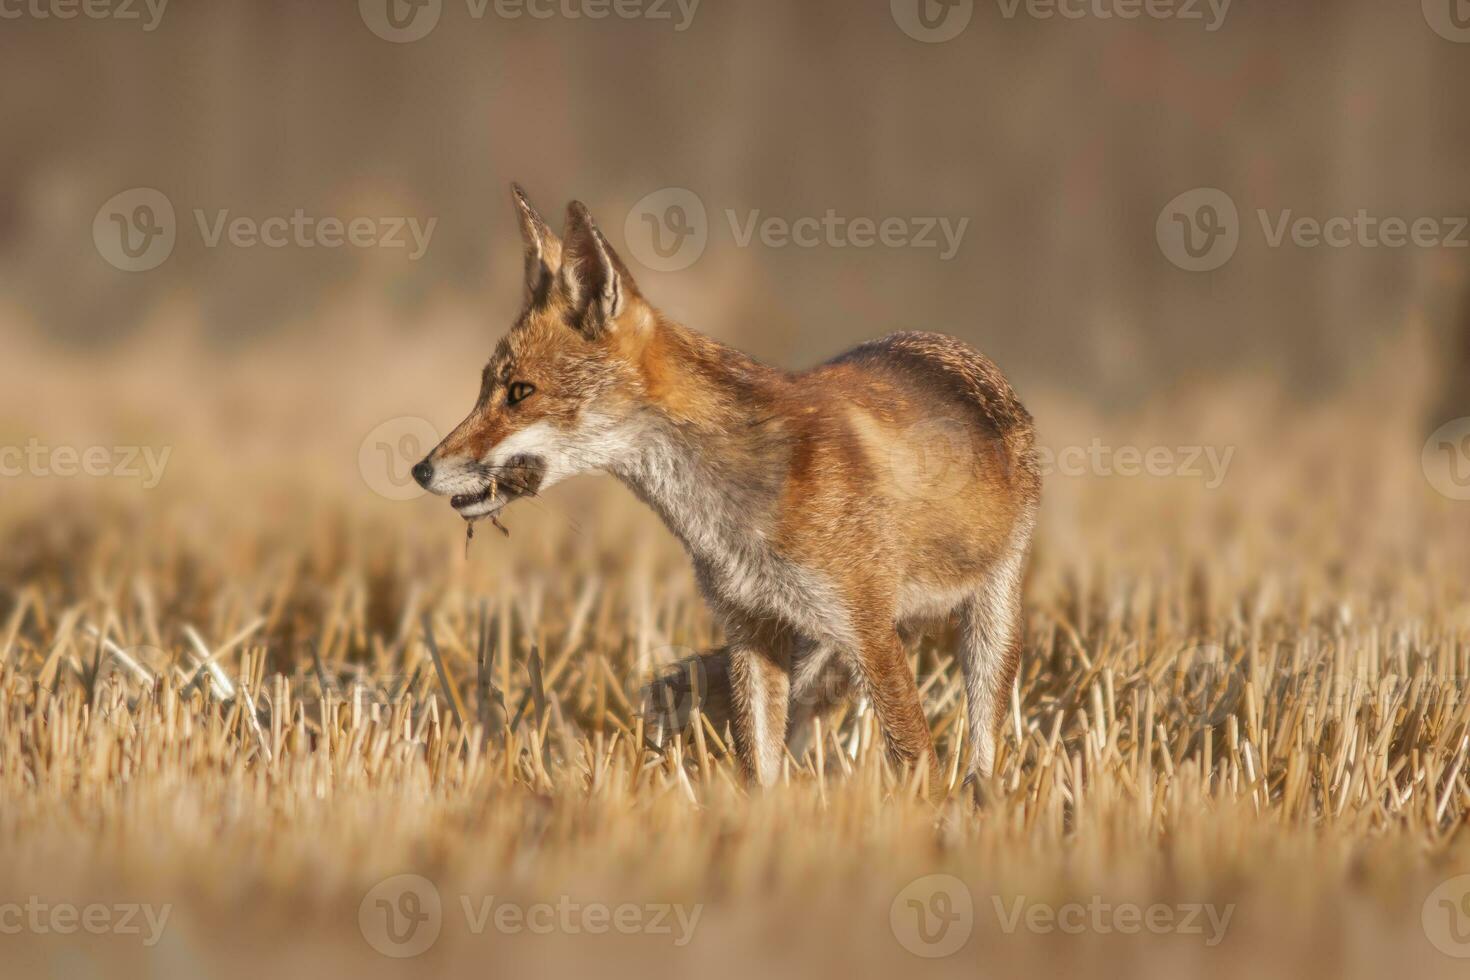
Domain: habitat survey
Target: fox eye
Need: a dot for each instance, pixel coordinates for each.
(519, 392)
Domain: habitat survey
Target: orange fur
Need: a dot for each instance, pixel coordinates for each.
(823, 509)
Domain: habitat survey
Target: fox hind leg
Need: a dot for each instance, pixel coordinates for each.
(894, 694)
(989, 655)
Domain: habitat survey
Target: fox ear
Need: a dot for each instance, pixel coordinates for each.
(543, 248)
(593, 277)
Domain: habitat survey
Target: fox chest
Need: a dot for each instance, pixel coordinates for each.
(757, 582)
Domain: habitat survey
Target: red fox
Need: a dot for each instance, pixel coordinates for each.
(808, 502)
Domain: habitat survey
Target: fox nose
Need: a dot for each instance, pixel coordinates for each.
(423, 472)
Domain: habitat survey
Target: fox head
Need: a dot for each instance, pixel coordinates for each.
(559, 395)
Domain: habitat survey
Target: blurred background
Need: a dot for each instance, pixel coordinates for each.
(274, 240)
(1058, 140)
(253, 255)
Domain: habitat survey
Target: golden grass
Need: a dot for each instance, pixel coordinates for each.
(221, 695)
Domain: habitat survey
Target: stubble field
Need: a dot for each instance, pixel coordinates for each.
(1239, 743)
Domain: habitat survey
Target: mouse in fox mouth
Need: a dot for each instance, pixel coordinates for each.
(521, 478)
